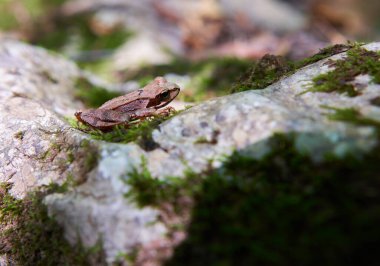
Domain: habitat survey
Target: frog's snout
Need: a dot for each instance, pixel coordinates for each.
(77, 114)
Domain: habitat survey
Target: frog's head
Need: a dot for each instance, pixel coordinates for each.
(163, 92)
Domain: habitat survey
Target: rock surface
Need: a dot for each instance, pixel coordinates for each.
(36, 92)
(31, 120)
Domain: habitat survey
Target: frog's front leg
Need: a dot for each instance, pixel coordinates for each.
(165, 111)
(147, 112)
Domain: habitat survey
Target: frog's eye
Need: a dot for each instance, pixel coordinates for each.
(164, 95)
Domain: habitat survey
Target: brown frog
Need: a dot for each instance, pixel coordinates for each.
(133, 106)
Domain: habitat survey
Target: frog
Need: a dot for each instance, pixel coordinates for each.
(132, 107)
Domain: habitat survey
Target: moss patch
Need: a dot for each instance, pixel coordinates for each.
(92, 96)
(150, 191)
(30, 237)
(19, 135)
(271, 68)
(358, 61)
(267, 71)
(139, 132)
(352, 115)
(276, 211)
(326, 52)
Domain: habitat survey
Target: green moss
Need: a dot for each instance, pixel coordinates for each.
(271, 68)
(51, 152)
(267, 71)
(278, 210)
(326, 52)
(90, 161)
(70, 156)
(150, 191)
(352, 115)
(358, 61)
(85, 143)
(8, 204)
(92, 96)
(19, 135)
(30, 237)
(139, 132)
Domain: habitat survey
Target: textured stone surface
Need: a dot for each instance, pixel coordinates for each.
(239, 120)
(36, 92)
(39, 147)
(214, 129)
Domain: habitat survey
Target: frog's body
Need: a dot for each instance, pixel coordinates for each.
(132, 106)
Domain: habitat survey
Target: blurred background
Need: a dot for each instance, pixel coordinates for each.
(204, 45)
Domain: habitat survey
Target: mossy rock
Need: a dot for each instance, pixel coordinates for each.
(284, 209)
(29, 236)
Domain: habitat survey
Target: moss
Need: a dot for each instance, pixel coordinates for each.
(19, 135)
(267, 71)
(150, 191)
(70, 156)
(281, 209)
(85, 143)
(271, 68)
(275, 211)
(30, 237)
(90, 161)
(92, 96)
(51, 152)
(139, 132)
(352, 115)
(8, 204)
(326, 52)
(358, 61)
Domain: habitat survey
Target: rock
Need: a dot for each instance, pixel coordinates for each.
(35, 138)
(37, 91)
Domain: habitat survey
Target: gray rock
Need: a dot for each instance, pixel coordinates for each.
(36, 92)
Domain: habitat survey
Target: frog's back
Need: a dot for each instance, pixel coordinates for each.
(120, 101)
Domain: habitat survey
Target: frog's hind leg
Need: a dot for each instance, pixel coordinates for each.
(112, 116)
